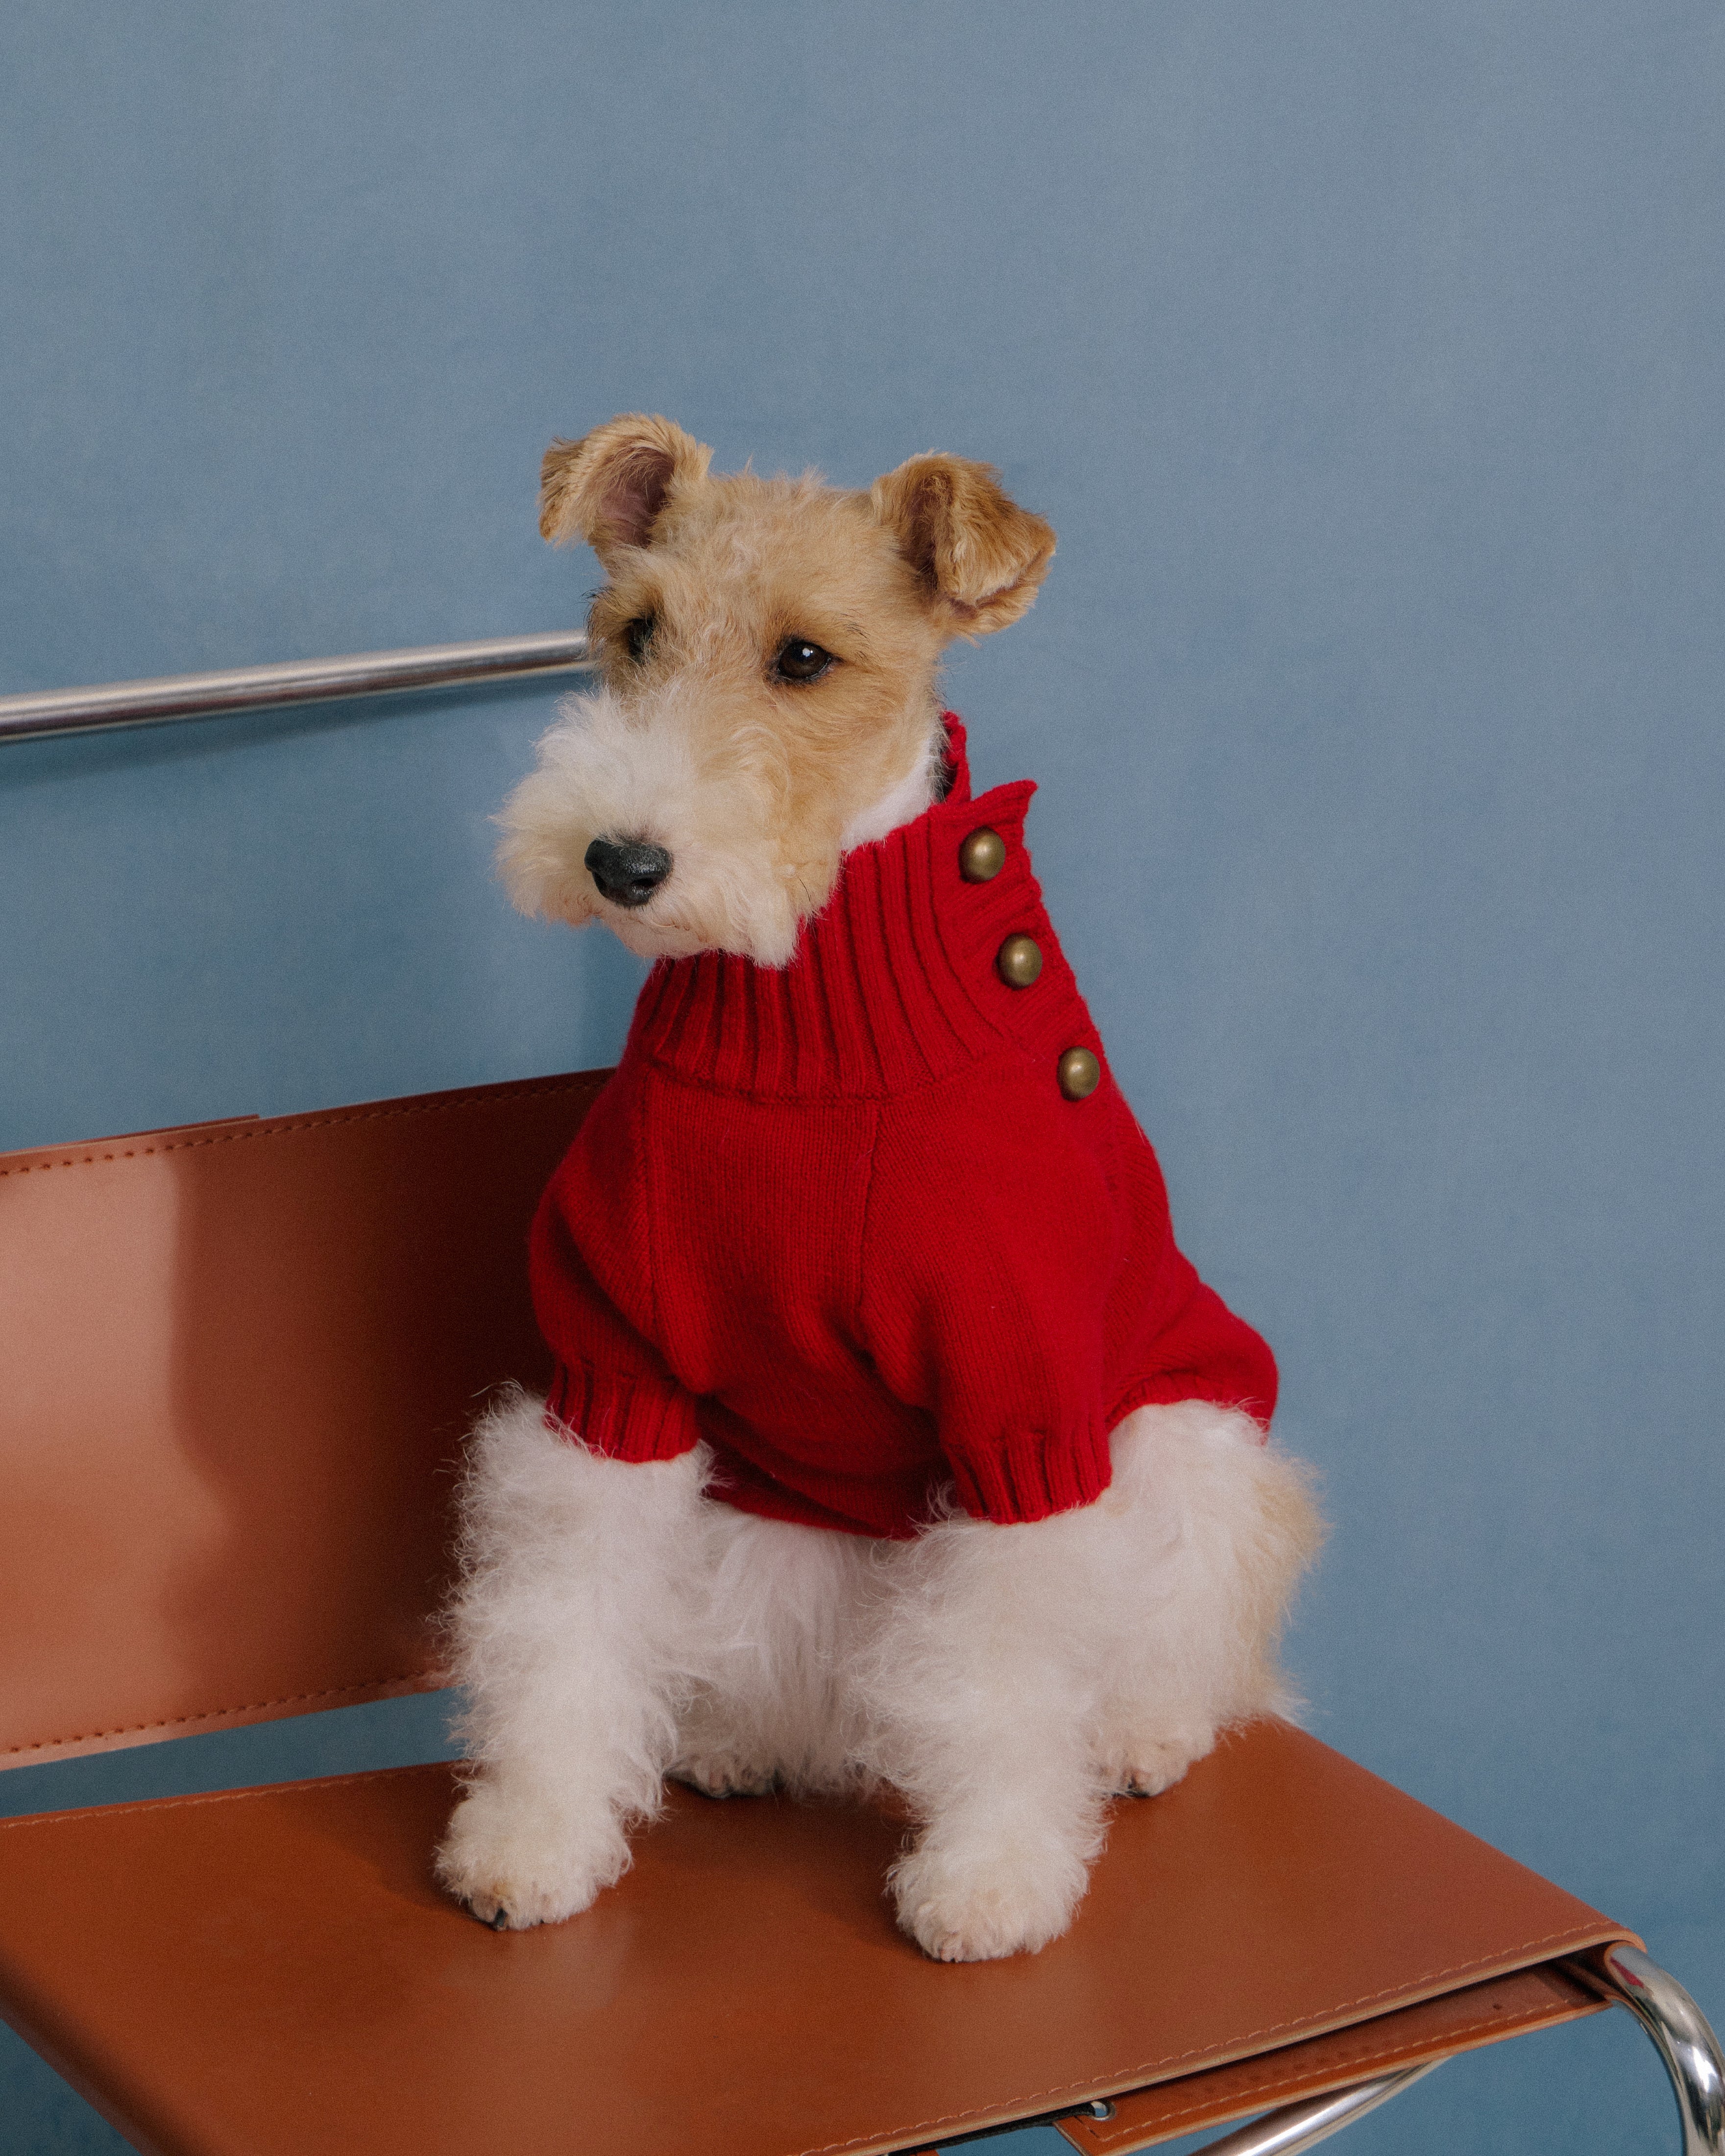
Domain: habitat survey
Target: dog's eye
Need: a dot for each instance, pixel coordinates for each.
(639, 635)
(800, 660)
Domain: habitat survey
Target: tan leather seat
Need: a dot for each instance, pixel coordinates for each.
(242, 1360)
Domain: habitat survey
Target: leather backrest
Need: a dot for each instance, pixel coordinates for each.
(236, 1364)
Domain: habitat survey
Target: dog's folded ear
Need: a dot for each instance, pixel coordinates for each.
(980, 555)
(609, 487)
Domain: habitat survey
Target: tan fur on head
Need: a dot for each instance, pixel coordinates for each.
(697, 742)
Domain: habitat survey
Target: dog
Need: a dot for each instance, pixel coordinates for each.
(892, 1441)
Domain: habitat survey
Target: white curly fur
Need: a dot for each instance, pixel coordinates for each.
(602, 768)
(615, 1623)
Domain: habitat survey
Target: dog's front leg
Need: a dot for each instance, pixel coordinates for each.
(979, 1698)
(572, 1636)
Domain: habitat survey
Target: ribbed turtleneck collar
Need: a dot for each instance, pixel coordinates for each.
(893, 983)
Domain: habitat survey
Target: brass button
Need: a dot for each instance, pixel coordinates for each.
(1017, 962)
(1080, 1074)
(982, 856)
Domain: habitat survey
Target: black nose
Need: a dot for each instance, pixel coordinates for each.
(627, 872)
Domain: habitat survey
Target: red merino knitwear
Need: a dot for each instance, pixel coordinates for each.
(840, 1221)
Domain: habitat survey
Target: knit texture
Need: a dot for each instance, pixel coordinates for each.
(838, 1220)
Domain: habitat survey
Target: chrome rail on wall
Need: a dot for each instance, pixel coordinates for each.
(303, 681)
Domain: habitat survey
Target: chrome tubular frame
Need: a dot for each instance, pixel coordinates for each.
(303, 681)
(1679, 2029)
(1298, 2126)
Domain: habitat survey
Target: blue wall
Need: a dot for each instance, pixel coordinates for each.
(1367, 358)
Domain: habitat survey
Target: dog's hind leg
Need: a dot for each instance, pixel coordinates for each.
(1018, 1675)
(574, 1633)
(1212, 1528)
(781, 1609)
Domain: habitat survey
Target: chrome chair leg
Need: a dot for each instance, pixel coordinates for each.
(1679, 2029)
(1298, 2126)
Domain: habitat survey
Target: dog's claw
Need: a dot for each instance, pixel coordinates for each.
(500, 1920)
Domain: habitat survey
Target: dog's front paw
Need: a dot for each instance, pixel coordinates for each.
(1146, 1766)
(518, 1860)
(979, 1900)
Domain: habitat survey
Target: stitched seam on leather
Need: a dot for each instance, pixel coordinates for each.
(528, 1090)
(215, 1713)
(1145, 2068)
(1376, 2059)
(214, 1796)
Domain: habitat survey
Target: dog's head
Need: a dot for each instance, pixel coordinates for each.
(768, 651)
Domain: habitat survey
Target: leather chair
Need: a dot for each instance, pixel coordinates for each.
(240, 1358)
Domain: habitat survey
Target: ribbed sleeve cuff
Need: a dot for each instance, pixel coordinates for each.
(1027, 1475)
(627, 1418)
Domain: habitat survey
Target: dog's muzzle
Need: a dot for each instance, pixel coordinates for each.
(627, 872)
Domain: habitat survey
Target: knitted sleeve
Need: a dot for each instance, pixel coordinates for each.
(989, 1251)
(593, 1295)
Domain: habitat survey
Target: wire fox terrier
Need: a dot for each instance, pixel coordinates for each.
(892, 1438)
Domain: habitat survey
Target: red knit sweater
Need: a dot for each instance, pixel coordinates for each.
(839, 1220)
